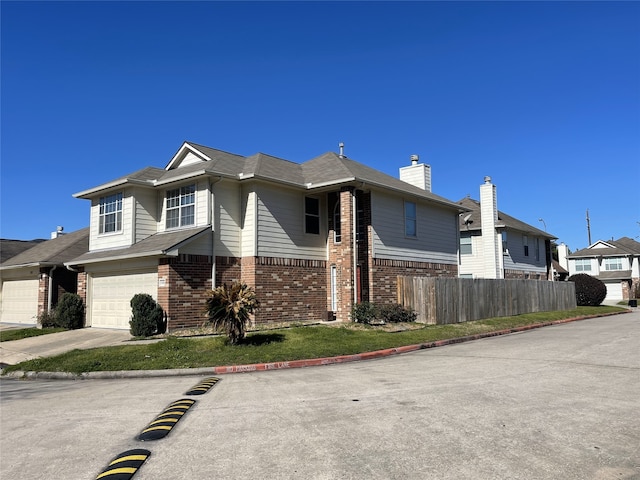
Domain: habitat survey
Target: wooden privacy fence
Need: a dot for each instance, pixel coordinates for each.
(440, 301)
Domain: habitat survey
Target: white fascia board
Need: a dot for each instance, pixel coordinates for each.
(180, 153)
(158, 253)
(111, 185)
(179, 178)
(24, 265)
(330, 183)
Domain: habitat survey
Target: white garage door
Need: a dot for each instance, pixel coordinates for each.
(110, 304)
(614, 291)
(20, 301)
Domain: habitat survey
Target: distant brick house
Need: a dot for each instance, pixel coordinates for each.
(311, 238)
(496, 245)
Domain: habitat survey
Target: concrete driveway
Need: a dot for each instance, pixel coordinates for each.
(56, 343)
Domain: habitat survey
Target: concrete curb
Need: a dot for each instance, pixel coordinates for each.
(313, 362)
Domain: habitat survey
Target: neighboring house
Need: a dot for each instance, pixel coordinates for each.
(615, 262)
(496, 245)
(311, 238)
(32, 281)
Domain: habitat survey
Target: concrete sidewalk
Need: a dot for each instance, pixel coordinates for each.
(56, 343)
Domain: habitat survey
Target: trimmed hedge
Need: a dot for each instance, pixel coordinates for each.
(590, 291)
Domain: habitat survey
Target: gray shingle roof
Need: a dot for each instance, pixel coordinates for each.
(621, 247)
(155, 245)
(325, 170)
(506, 221)
(11, 248)
(56, 251)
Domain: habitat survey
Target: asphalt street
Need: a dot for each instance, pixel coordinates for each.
(559, 402)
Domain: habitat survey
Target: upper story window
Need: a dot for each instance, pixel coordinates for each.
(505, 248)
(181, 206)
(111, 213)
(410, 219)
(583, 265)
(311, 215)
(613, 263)
(525, 242)
(465, 246)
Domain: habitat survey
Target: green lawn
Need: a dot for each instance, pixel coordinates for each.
(303, 342)
(20, 333)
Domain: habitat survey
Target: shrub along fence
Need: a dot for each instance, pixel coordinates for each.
(455, 300)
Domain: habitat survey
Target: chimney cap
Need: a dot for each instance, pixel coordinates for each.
(414, 159)
(487, 179)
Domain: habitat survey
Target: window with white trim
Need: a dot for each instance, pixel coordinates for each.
(111, 213)
(613, 263)
(410, 219)
(465, 246)
(311, 215)
(583, 265)
(337, 223)
(181, 206)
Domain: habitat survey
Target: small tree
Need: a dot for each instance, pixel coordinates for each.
(69, 312)
(229, 309)
(147, 316)
(590, 291)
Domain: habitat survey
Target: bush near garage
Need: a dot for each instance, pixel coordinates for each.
(69, 312)
(590, 291)
(147, 316)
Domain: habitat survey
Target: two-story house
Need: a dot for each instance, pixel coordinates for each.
(496, 245)
(312, 239)
(615, 262)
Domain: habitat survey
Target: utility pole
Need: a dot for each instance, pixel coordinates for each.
(588, 227)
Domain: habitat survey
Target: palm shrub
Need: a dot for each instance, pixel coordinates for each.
(229, 308)
(590, 291)
(147, 316)
(69, 312)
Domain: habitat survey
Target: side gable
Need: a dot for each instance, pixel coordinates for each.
(187, 154)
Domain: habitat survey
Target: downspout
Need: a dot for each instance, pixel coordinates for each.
(354, 229)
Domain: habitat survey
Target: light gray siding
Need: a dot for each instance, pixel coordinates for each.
(437, 231)
(473, 263)
(517, 260)
(227, 218)
(249, 212)
(280, 226)
(123, 238)
(146, 213)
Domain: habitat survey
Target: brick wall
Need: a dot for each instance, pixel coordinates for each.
(522, 275)
(183, 285)
(385, 276)
(288, 289)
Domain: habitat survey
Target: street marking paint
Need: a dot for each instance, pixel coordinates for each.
(203, 387)
(125, 465)
(163, 423)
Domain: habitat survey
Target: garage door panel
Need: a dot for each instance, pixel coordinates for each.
(20, 301)
(111, 296)
(614, 291)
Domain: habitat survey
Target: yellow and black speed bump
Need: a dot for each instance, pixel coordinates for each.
(125, 465)
(164, 422)
(204, 386)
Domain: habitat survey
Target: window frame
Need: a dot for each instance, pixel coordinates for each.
(613, 261)
(468, 242)
(185, 209)
(410, 221)
(525, 244)
(116, 199)
(311, 218)
(580, 264)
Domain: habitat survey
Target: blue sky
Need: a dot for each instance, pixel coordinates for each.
(544, 97)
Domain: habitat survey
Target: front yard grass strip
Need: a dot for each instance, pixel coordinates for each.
(20, 333)
(281, 345)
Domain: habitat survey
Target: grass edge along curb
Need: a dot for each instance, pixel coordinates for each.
(313, 362)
